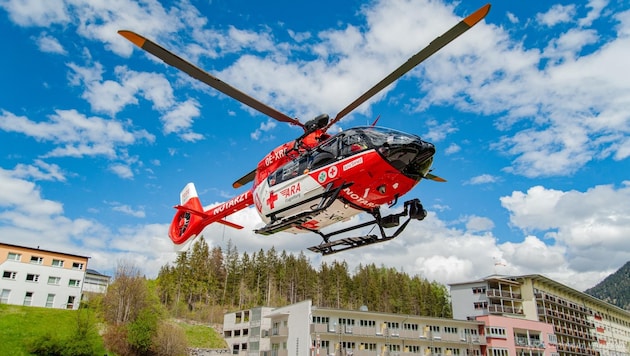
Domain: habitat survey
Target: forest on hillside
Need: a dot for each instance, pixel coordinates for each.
(213, 281)
(614, 289)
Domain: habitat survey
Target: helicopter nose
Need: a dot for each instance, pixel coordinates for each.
(413, 159)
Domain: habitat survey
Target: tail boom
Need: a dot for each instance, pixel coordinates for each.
(191, 218)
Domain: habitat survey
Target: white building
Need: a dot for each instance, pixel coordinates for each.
(95, 282)
(303, 329)
(41, 278)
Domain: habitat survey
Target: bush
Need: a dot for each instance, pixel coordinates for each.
(170, 340)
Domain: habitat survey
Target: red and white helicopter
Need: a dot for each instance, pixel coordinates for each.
(318, 180)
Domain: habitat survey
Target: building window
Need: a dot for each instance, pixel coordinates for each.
(320, 320)
(344, 321)
(452, 352)
(552, 339)
(367, 323)
(77, 265)
(480, 305)
(74, 283)
(32, 277)
(14, 256)
(4, 296)
(479, 290)
(57, 263)
(435, 350)
(413, 349)
(28, 298)
(497, 352)
(450, 329)
(496, 332)
(410, 326)
(37, 260)
(54, 280)
(70, 304)
(50, 300)
(9, 275)
(369, 346)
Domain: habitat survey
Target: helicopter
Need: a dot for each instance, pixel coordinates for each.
(318, 180)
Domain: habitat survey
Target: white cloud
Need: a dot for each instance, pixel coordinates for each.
(137, 212)
(75, 134)
(592, 225)
(121, 170)
(49, 44)
(39, 170)
(557, 14)
(482, 179)
(37, 13)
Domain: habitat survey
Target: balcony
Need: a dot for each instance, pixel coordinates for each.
(502, 309)
(496, 293)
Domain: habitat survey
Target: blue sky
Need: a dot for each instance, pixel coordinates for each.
(528, 111)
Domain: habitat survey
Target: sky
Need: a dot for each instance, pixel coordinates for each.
(528, 111)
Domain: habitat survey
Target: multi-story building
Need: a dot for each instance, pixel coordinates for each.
(515, 336)
(247, 331)
(302, 329)
(40, 277)
(95, 282)
(583, 325)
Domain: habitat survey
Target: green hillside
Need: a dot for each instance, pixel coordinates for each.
(21, 326)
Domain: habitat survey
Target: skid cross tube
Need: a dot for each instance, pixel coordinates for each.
(329, 247)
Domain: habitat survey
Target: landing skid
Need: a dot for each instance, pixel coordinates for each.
(413, 210)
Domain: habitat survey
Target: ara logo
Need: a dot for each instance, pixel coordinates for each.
(289, 191)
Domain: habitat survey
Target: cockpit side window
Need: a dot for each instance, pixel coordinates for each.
(353, 143)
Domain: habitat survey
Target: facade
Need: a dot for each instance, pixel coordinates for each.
(303, 329)
(41, 278)
(95, 282)
(583, 325)
(247, 331)
(521, 337)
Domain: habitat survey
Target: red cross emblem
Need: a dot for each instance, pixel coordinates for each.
(311, 224)
(272, 199)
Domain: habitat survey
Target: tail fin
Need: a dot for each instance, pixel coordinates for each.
(190, 218)
(187, 222)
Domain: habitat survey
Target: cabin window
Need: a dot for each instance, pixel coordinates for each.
(290, 170)
(325, 154)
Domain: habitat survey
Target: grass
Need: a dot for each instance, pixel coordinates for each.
(202, 336)
(20, 325)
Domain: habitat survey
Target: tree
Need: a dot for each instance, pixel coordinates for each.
(132, 311)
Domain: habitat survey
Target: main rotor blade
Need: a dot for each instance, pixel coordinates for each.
(416, 59)
(199, 74)
(245, 179)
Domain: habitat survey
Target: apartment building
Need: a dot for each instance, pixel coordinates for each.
(304, 329)
(583, 325)
(247, 331)
(35, 277)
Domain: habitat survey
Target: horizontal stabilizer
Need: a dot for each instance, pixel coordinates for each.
(230, 224)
